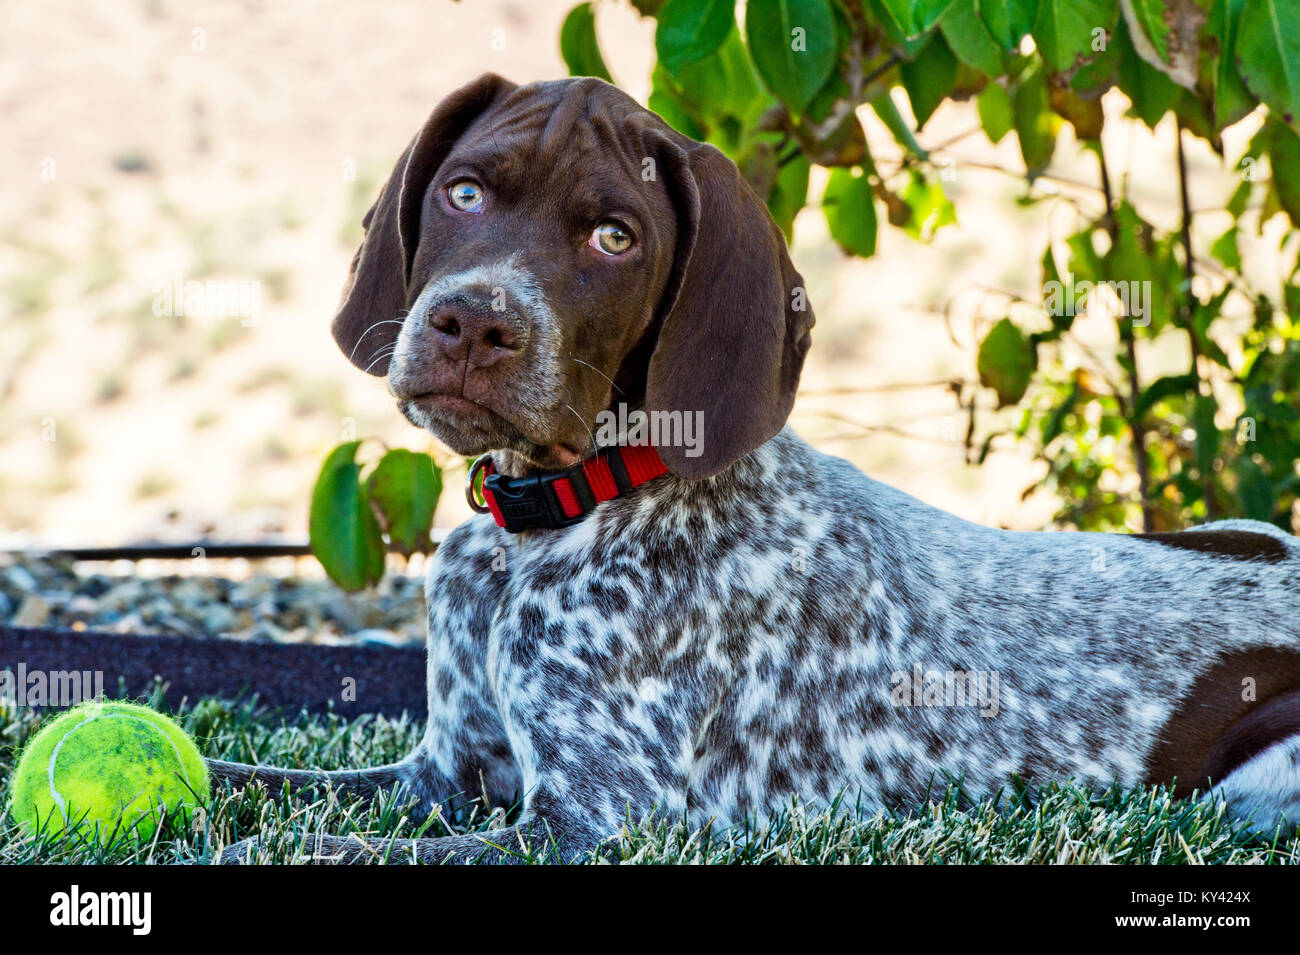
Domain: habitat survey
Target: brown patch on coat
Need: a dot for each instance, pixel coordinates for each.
(1270, 723)
(1214, 730)
(1239, 545)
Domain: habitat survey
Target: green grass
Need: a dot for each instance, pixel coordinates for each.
(1059, 824)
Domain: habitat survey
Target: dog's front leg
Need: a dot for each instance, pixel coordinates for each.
(537, 841)
(416, 778)
(464, 758)
(359, 782)
(591, 781)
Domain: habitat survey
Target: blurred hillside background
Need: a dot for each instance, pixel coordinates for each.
(152, 143)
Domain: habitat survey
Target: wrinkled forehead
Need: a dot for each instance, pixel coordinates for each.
(573, 135)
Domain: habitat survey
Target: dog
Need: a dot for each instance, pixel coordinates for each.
(704, 629)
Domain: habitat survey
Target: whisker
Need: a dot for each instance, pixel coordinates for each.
(599, 372)
(386, 352)
(590, 433)
(387, 321)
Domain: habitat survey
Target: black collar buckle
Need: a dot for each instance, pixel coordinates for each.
(530, 502)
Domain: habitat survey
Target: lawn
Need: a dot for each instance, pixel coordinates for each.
(1060, 824)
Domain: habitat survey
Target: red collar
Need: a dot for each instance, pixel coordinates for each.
(560, 498)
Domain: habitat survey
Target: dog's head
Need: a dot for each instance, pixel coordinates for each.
(543, 253)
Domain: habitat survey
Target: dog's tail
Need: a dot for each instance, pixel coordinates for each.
(1262, 540)
(360, 782)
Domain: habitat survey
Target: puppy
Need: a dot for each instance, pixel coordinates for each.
(694, 612)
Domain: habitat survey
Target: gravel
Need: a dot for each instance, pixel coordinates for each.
(256, 606)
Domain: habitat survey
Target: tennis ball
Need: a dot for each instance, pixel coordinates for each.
(106, 769)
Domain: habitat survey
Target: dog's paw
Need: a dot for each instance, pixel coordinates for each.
(347, 850)
(327, 850)
(240, 853)
(312, 850)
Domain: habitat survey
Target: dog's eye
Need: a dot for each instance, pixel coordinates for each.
(465, 194)
(611, 238)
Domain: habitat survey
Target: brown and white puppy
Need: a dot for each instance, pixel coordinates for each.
(764, 621)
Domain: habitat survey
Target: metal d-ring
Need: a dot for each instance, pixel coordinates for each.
(477, 502)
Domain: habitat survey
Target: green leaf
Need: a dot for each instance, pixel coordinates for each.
(1062, 318)
(1167, 387)
(1207, 434)
(1137, 257)
(1255, 490)
(673, 112)
(899, 42)
(1006, 362)
(1291, 299)
(970, 39)
(1203, 317)
(929, 208)
(1232, 100)
(789, 194)
(405, 486)
(578, 44)
(1036, 125)
(994, 107)
(1083, 263)
(1151, 92)
(929, 79)
(1167, 35)
(1008, 20)
(689, 30)
(344, 534)
(718, 96)
(1196, 114)
(914, 17)
(1284, 156)
(833, 94)
(888, 112)
(1094, 76)
(1056, 423)
(1268, 55)
(987, 447)
(793, 45)
(1240, 198)
(850, 209)
(1148, 17)
(1065, 30)
(1084, 114)
(1225, 250)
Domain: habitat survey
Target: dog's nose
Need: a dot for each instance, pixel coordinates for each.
(482, 334)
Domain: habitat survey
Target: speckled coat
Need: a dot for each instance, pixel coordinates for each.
(715, 647)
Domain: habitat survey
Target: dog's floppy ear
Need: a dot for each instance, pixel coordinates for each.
(367, 320)
(735, 319)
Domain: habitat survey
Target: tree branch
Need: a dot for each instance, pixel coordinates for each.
(892, 60)
(1187, 308)
(1129, 404)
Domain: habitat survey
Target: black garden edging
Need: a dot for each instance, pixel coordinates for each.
(389, 680)
(250, 550)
